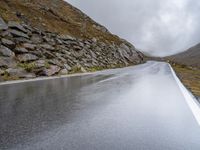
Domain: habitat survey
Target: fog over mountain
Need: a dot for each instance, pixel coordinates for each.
(158, 27)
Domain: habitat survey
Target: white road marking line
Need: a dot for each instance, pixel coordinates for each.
(190, 99)
(44, 78)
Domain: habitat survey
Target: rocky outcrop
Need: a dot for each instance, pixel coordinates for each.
(39, 39)
(33, 52)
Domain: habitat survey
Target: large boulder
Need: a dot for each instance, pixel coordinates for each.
(19, 72)
(27, 57)
(17, 26)
(64, 72)
(124, 51)
(52, 70)
(7, 62)
(36, 39)
(40, 63)
(8, 43)
(66, 66)
(55, 62)
(47, 46)
(20, 50)
(29, 46)
(17, 33)
(4, 51)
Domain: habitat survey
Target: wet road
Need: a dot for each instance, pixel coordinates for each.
(136, 108)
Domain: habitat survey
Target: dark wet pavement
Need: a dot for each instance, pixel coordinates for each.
(135, 108)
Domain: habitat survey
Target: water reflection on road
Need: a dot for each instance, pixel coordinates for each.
(132, 108)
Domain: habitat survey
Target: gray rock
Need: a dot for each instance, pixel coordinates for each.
(101, 28)
(3, 25)
(4, 51)
(20, 50)
(49, 40)
(29, 46)
(2, 72)
(6, 33)
(48, 54)
(78, 54)
(93, 54)
(28, 27)
(59, 41)
(94, 40)
(16, 72)
(16, 25)
(7, 62)
(123, 53)
(38, 53)
(47, 46)
(27, 57)
(67, 67)
(66, 37)
(83, 70)
(77, 47)
(52, 70)
(19, 40)
(80, 68)
(16, 33)
(19, 72)
(55, 62)
(64, 72)
(40, 63)
(8, 43)
(36, 39)
(29, 75)
(1, 79)
(60, 57)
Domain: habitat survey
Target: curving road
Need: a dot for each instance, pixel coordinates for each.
(135, 108)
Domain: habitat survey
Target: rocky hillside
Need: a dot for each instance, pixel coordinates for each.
(51, 37)
(190, 57)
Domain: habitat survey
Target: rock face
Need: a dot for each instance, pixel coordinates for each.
(51, 70)
(4, 51)
(27, 51)
(27, 57)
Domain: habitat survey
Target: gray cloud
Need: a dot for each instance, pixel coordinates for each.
(158, 27)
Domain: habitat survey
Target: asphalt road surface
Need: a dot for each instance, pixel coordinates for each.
(135, 108)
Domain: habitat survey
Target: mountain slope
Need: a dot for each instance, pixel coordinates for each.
(55, 16)
(50, 37)
(190, 57)
(187, 67)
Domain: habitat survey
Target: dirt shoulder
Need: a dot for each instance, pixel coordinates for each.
(190, 78)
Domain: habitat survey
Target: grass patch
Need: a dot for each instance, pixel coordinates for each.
(27, 66)
(76, 69)
(6, 77)
(189, 76)
(47, 65)
(96, 68)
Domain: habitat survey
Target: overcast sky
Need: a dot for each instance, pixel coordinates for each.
(159, 27)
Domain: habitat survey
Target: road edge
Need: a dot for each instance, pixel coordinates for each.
(189, 98)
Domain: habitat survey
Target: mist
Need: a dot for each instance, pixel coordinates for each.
(156, 27)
